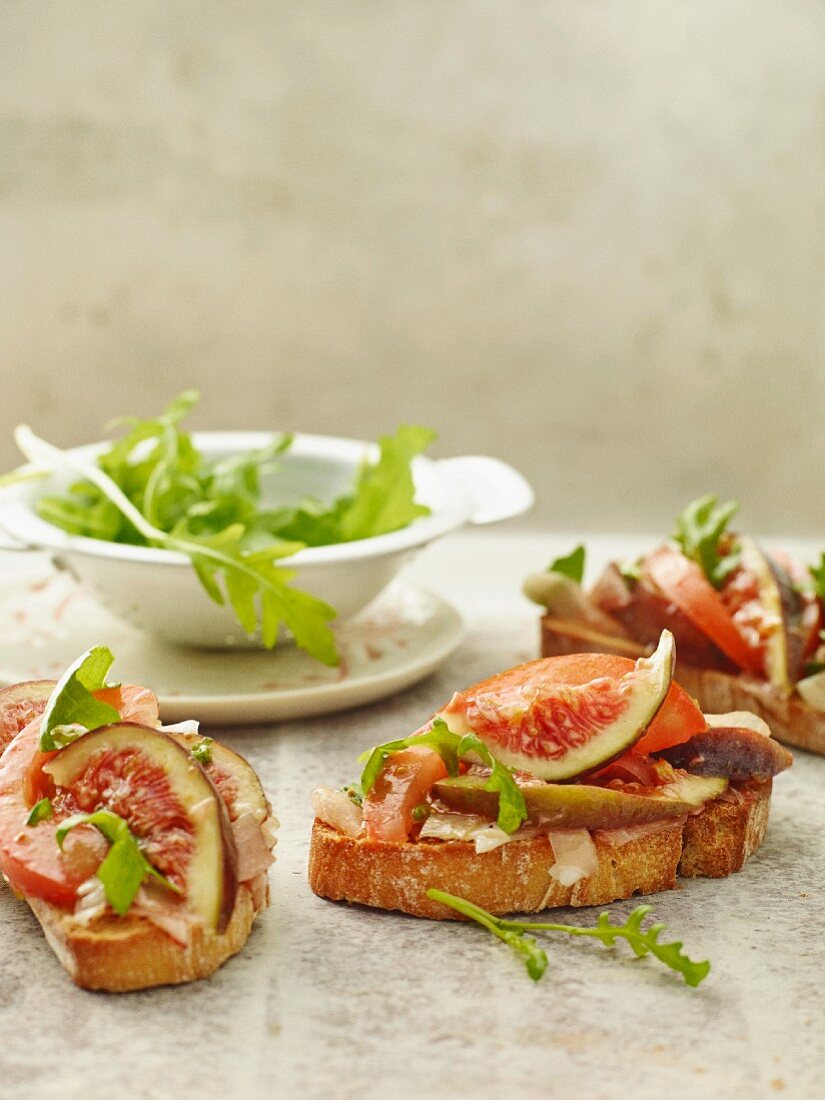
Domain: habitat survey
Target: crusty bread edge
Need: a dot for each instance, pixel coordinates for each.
(515, 877)
(120, 954)
(790, 719)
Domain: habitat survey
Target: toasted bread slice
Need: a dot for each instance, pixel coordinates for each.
(515, 877)
(120, 954)
(791, 720)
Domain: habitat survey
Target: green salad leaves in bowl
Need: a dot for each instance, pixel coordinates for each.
(226, 538)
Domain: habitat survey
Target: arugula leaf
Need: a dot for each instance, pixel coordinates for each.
(125, 867)
(572, 565)
(512, 809)
(440, 738)
(698, 531)
(40, 811)
(354, 793)
(384, 497)
(451, 747)
(252, 576)
(202, 751)
(818, 576)
(533, 957)
(642, 941)
(72, 702)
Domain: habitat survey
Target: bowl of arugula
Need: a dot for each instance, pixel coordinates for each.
(219, 539)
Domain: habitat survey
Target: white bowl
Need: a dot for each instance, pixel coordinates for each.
(158, 591)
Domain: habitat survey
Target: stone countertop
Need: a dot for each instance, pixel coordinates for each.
(332, 1001)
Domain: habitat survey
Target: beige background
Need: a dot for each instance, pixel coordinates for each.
(584, 236)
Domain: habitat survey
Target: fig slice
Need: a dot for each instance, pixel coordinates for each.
(21, 704)
(784, 642)
(733, 746)
(531, 719)
(580, 806)
(233, 776)
(167, 800)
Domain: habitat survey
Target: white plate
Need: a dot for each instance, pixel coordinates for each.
(47, 620)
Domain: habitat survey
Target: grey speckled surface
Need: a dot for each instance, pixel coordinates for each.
(333, 1001)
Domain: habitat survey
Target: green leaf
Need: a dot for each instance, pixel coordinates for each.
(642, 941)
(354, 793)
(451, 747)
(254, 575)
(384, 498)
(202, 751)
(512, 809)
(698, 531)
(440, 738)
(40, 811)
(818, 576)
(72, 702)
(125, 868)
(533, 957)
(571, 566)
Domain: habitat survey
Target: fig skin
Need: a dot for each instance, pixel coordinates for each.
(247, 793)
(188, 779)
(787, 646)
(544, 718)
(730, 751)
(577, 805)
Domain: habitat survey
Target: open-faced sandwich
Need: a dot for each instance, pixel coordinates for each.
(573, 780)
(747, 622)
(142, 850)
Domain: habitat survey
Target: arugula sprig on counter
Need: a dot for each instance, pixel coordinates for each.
(698, 531)
(124, 868)
(643, 941)
(153, 487)
(452, 747)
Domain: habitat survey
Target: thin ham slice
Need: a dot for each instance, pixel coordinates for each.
(254, 857)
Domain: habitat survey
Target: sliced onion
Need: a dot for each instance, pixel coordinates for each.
(91, 900)
(337, 809)
(190, 725)
(575, 855)
(739, 720)
(484, 834)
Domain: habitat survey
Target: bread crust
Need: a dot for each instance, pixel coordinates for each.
(790, 719)
(515, 878)
(120, 954)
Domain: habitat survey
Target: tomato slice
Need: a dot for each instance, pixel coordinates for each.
(29, 856)
(403, 784)
(684, 584)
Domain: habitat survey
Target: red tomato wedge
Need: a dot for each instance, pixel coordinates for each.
(404, 782)
(29, 857)
(684, 584)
